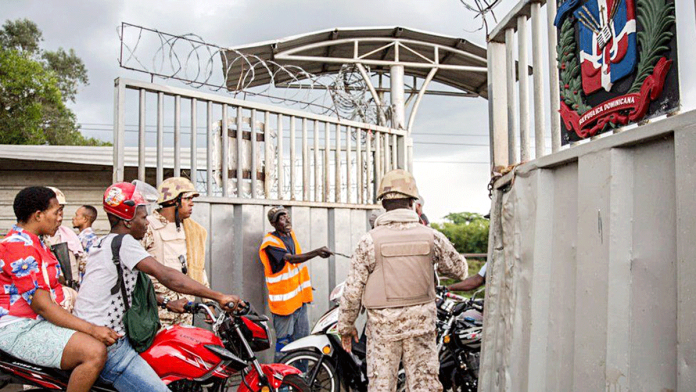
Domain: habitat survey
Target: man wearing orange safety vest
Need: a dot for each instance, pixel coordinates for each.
(287, 279)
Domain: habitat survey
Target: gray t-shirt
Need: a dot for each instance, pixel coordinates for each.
(95, 303)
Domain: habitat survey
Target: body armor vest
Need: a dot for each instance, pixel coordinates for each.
(403, 274)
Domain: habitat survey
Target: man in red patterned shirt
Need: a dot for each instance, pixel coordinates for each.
(33, 327)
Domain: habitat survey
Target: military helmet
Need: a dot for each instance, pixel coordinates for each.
(172, 187)
(59, 195)
(398, 184)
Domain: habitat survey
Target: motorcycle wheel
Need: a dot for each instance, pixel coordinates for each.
(326, 379)
(294, 383)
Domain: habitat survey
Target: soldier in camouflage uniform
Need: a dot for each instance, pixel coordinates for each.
(178, 242)
(392, 275)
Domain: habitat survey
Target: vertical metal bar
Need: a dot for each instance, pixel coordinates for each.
(317, 173)
(177, 136)
(292, 158)
(305, 162)
(240, 153)
(225, 145)
(387, 158)
(539, 120)
(368, 164)
(160, 138)
(378, 158)
(194, 142)
(349, 185)
(119, 129)
(510, 85)
(327, 148)
(338, 181)
(524, 87)
(209, 149)
(359, 166)
(141, 135)
(281, 169)
(254, 146)
(497, 104)
(395, 153)
(268, 157)
(554, 88)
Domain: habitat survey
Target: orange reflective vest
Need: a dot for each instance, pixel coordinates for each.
(289, 288)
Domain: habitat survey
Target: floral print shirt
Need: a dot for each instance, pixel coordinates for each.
(26, 264)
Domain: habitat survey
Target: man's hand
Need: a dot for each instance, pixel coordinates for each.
(177, 306)
(104, 334)
(324, 252)
(346, 339)
(231, 299)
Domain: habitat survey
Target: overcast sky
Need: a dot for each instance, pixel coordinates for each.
(455, 180)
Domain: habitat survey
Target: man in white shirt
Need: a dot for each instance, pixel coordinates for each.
(126, 208)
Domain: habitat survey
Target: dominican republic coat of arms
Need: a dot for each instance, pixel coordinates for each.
(614, 60)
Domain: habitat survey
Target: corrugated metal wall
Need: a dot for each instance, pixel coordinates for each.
(592, 284)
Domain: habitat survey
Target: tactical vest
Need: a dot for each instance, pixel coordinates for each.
(290, 287)
(403, 274)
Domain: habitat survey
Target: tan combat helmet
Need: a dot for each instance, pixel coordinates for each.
(59, 195)
(398, 184)
(170, 189)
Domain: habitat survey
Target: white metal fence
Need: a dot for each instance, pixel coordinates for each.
(508, 71)
(283, 154)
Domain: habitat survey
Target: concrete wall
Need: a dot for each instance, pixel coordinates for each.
(593, 258)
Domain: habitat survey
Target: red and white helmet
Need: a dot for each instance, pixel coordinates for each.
(123, 199)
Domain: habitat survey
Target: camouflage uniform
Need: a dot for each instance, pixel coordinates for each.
(149, 242)
(398, 334)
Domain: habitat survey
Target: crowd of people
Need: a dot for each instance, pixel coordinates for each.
(65, 293)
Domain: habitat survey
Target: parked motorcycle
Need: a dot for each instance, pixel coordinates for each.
(190, 359)
(322, 359)
(459, 332)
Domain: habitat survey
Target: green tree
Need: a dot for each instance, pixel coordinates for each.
(35, 86)
(468, 232)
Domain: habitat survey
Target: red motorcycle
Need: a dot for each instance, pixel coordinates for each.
(189, 359)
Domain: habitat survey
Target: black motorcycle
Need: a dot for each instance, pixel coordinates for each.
(459, 332)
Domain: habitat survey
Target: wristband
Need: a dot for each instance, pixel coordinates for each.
(165, 301)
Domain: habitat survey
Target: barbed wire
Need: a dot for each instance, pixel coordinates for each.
(189, 59)
(481, 8)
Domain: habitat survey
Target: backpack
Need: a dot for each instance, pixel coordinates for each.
(141, 318)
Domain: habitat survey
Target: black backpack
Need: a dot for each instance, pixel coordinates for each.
(141, 318)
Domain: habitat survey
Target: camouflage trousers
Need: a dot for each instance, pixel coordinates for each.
(418, 355)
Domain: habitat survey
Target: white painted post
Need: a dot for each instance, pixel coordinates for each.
(511, 81)
(305, 162)
(141, 136)
(369, 164)
(317, 167)
(327, 149)
(177, 136)
(280, 169)
(292, 158)
(267, 180)
(225, 146)
(194, 142)
(338, 180)
(209, 149)
(240, 153)
(497, 104)
(254, 163)
(119, 129)
(349, 185)
(160, 138)
(359, 166)
(537, 53)
(554, 87)
(523, 74)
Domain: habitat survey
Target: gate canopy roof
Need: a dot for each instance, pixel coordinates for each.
(459, 63)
